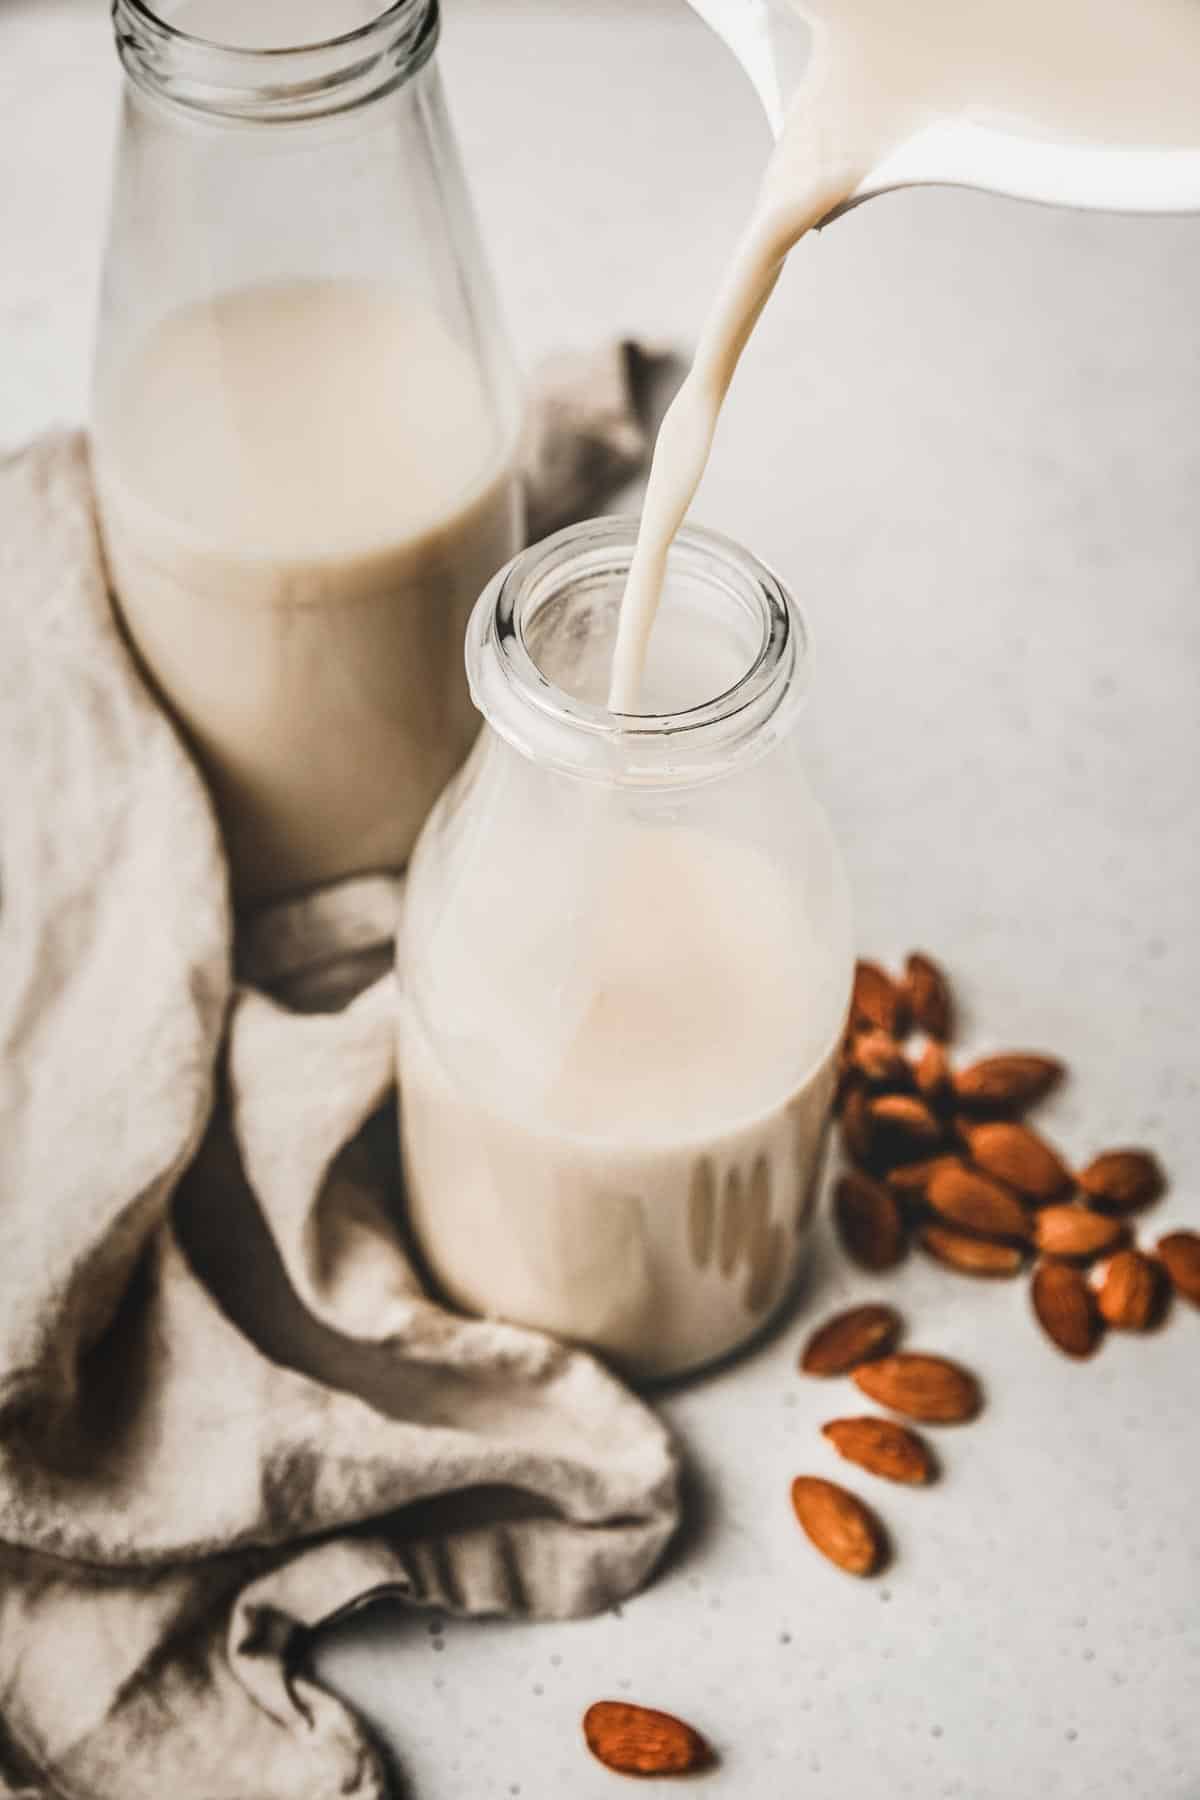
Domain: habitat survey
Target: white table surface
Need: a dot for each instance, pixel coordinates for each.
(968, 433)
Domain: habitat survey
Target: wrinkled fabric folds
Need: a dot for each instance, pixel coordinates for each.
(228, 1411)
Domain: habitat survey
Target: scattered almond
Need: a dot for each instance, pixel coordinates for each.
(927, 1388)
(868, 1221)
(878, 1057)
(838, 1524)
(1130, 1292)
(976, 1203)
(1006, 1083)
(928, 994)
(882, 1447)
(1065, 1308)
(1018, 1156)
(1074, 1232)
(908, 1122)
(1179, 1253)
(1122, 1180)
(850, 1338)
(933, 1075)
(640, 1740)
(971, 1255)
(877, 1000)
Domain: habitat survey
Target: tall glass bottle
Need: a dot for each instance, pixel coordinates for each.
(304, 417)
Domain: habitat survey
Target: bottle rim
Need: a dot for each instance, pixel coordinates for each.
(275, 83)
(551, 726)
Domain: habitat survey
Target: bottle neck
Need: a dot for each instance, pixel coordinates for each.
(539, 653)
(355, 55)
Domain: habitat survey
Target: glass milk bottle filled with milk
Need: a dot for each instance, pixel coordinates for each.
(625, 964)
(304, 418)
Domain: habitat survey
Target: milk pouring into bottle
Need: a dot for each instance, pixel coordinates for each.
(625, 964)
(626, 973)
(1093, 101)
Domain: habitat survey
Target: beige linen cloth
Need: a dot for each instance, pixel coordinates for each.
(228, 1412)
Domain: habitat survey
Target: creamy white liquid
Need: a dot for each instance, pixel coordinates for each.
(302, 493)
(639, 1174)
(1105, 72)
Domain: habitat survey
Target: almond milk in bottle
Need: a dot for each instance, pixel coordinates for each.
(625, 965)
(304, 418)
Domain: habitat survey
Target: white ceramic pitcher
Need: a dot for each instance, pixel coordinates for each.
(772, 43)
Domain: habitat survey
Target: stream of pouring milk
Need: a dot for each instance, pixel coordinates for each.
(1103, 72)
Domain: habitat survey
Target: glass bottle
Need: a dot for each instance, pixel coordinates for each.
(304, 417)
(625, 964)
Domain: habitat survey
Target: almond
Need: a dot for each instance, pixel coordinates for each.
(933, 1075)
(1018, 1156)
(1065, 1308)
(882, 1447)
(912, 1179)
(839, 1525)
(1122, 1180)
(974, 1202)
(850, 1338)
(1076, 1233)
(971, 1255)
(858, 1127)
(877, 1000)
(868, 1221)
(1130, 1292)
(878, 1057)
(908, 1124)
(927, 1388)
(928, 994)
(640, 1740)
(1179, 1253)
(1006, 1083)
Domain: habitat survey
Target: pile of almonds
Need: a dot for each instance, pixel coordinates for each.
(942, 1155)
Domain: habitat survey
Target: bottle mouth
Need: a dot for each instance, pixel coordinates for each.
(235, 73)
(728, 659)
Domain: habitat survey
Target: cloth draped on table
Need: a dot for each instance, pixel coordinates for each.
(228, 1412)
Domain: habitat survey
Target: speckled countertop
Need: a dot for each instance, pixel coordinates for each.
(968, 434)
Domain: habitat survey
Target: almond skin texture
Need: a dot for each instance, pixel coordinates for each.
(971, 1255)
(639, 1740)
(882, 1447)
(1065, 1308)
(926, 1388)
(850, 1338)
(869, 1222)
(933, 1075)
(1121, 1181)
(928, 995)
(1179, 1253)
(975, 1203)
(879, 1059)
(907, 1122)
(1006, 1083)
(838, 1525)
(1076, 1233)
(1018, 1156)
(1131, 1291)
(877, 1000)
